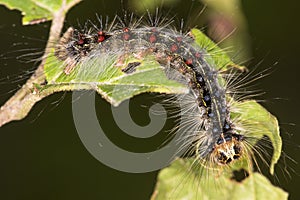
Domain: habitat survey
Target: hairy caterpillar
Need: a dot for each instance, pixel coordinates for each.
(162, 56)
(209, 129)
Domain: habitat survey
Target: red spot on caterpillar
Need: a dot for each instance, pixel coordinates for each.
(174, 48)
(179, 39)
(189, 61)
(126, 29)
(80, 39)
(152, 38)
(101, 36)
(126, 36)
(198, 55)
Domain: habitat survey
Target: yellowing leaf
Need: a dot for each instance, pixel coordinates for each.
(177, 183)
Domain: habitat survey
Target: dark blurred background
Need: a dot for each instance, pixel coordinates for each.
(42, 157)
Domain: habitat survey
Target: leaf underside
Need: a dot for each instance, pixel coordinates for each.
(36, 11)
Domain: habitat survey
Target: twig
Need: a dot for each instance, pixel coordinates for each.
(19, 105)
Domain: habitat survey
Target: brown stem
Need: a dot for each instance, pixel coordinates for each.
(19, 105)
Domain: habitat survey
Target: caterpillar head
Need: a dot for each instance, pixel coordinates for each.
(227, 149)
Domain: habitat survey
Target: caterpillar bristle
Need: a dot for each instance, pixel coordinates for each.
(75, 48)
(213, 137)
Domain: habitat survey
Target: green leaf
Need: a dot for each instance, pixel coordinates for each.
(104, 76)
(216, 56)
(36, 11)
(176, 183)
(259, 122)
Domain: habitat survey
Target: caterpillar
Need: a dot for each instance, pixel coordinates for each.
(183, 61)
(216, 138)
(211, 132)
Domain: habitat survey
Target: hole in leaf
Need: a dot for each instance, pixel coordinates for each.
(239, 175)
